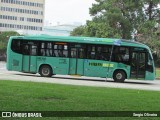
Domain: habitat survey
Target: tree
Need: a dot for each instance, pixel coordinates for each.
(79, 31)
(138, 19)
(120, 18)
(148, 31)
(111, 18)
(4, 36)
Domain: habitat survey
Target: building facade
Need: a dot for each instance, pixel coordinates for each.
(59, 30)
(26, 15)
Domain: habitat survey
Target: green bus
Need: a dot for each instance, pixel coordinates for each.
(85, 56)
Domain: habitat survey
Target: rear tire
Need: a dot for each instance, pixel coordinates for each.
(119, 76)
(45, 71)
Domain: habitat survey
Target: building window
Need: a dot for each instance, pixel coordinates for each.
(23, 3)
(22, 10)
(20, 26)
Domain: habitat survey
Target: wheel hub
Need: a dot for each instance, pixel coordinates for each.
(119, 76)
(45, 71)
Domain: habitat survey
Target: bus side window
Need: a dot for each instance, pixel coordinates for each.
(46, 49)
(102, 52)
(42, 47)
(60, 53)
(121, 54)
(49, 49)
(73, 53)
(92, 55)
(43, 52)
(65, 51)
(61, 50)
(33, 50)
(91, 52)
(81, 53)
(16, 46)
(56, 53)
(26, 50)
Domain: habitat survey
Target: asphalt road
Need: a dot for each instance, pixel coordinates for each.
(83, 81)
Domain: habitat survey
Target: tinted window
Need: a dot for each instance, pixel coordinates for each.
(26, 49)
(98, 52)
(77, 50)
(46, 48)
(61, 50)
(120, 54)
(103, 52)
(16, 46)
(91, 52)
(34, 50)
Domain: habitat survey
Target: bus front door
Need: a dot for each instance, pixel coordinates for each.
(76, 61)
(138, 65)
(29, 58)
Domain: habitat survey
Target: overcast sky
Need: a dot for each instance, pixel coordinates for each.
(67, 11)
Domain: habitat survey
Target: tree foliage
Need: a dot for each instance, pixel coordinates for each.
(120, 18)
(4, 36)
(138, 19)
(79, 31)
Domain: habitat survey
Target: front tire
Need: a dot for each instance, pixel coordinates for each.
(45, 71)
(119, 76)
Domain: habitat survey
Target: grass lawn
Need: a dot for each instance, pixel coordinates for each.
(32, 96)
(157, 72)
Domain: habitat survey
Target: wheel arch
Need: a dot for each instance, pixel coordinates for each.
(44, 65)
(120, 70)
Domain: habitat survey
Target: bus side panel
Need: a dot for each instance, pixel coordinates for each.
(97, 68)
(33, 64)
(26, 64)
(80, 67)
(149, 75)
(29, 64)
(76, 66)
(125, 68)
(72, 66)
(59, 65)
(15, 62)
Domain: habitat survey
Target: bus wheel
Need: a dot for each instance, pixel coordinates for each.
(119, 76)
(45, 71)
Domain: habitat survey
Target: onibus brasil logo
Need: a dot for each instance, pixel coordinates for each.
(20, 114)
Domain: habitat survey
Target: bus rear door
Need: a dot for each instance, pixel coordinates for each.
(29, 59)
(76, 64)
